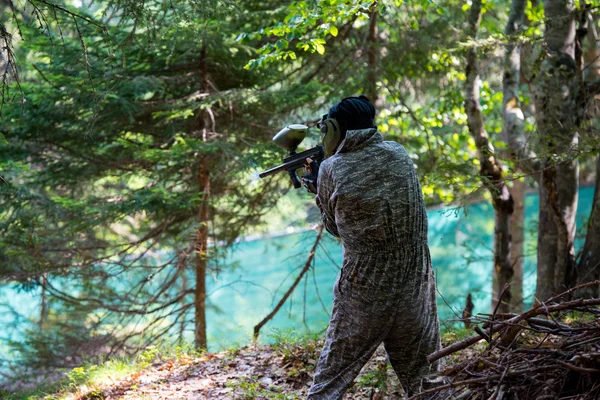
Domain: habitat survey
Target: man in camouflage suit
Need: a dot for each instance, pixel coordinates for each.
(370, 197)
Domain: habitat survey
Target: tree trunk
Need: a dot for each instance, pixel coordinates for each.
(557, 109)
(588, 268)
(43, 304)
(517, 236)
(203, 177)
(371, 89)
(201, 256)
(591, 52)
(546, 254)
(513, 134)
(589, 265)
(183, 322)
(514, 120)
(490, 171)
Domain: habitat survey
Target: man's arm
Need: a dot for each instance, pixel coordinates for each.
(325, 188)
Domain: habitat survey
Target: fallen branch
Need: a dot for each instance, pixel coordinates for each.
(541, 309)
(528, 357)
(484, 379)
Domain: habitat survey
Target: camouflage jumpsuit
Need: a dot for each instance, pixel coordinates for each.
(370, 197)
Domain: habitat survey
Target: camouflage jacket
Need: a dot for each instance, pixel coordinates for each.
(370, 197)
(369, 193)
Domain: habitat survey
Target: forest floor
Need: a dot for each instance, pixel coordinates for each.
(551, 351)
(258, 372)
(283, 370)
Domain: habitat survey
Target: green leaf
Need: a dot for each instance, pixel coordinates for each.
(302, 45)
(290, 54)
(281, 44)
(320, 49)
(3, 139)
(333, 30)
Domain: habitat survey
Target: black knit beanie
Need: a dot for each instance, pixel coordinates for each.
(353, 113)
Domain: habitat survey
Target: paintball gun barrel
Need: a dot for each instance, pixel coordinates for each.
(289, 138)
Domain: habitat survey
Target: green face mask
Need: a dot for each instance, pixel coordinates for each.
(330, 136)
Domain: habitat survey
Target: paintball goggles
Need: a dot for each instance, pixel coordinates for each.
(288, 139)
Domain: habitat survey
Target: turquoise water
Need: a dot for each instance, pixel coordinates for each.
(259, 272)
(461, 244)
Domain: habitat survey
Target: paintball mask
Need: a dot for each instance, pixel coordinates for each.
(330, 134)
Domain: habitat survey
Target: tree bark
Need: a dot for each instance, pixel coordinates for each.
(514, 134)
(43, 304)
(201, 256)
(591, 52)
(183, 322)
(490, 171)
(589, 265)
(201, 247)
(517, 221)
(557, 109)
(588, 268)
(371, 89)
(514, 121)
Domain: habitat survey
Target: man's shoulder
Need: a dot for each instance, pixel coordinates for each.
(394, 145)
(325, 168)
(329, 162)
(339, 160)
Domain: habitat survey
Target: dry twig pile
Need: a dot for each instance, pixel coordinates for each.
(549, 352)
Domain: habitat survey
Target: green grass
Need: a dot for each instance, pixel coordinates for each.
(452, 335)
(372, 379)
(295, 346)
(88, 379)
(251, 389)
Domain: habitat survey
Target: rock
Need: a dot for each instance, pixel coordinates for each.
(266, 381)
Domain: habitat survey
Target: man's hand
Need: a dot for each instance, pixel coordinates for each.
(307, 165)
(309, 179)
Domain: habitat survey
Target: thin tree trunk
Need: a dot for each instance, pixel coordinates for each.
(557, 107)
(517, 221)
(591, 52)
(203, 179)
(371, 89)
(201, 256)
(43, 304)
(514, 120)
(514, 134)
(183, 323)
(546, 253)
(589, 265)
(490, 170)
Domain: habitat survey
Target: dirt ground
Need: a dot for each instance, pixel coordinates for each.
(258, 372)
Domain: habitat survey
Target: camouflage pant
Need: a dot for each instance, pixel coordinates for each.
(405, 322)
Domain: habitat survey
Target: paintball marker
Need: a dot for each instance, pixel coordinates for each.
(288, 139)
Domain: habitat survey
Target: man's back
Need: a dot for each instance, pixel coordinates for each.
(373, 193)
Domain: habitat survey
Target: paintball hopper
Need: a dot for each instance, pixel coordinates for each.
(290, 137)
